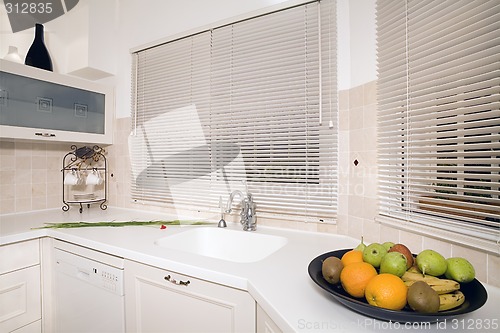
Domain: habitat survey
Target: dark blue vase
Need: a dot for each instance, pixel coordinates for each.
(38, 55)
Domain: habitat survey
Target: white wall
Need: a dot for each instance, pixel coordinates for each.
(102, 32)
(362, 42)
(356, 43)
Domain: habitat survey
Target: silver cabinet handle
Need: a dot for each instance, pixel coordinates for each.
(45, 134)
(174, 281)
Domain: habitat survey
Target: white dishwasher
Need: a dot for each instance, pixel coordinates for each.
(88, 290)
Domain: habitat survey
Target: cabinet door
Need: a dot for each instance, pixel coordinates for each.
(264, 323)
(42, 105)
(35, 327)
(19, 298)
(161, 301)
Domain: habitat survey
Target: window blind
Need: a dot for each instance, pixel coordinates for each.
(439, 114)
(171, 106)
(251, 101)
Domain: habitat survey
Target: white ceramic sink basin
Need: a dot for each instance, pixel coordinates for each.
(225, 244)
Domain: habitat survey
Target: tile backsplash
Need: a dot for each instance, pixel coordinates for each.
(30, 175)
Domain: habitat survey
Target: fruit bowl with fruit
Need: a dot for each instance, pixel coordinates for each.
(388, 282)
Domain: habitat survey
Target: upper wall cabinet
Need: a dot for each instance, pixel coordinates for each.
(40, 105)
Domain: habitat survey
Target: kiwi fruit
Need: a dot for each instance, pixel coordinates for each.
(422, 298)
(331, 268)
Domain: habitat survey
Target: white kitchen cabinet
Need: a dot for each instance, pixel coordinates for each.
(20, 300)
(264, 323)
(158, 300)
(36, 104)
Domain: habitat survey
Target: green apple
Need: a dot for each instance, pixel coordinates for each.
(388, 245)
(460, 270)
(431, 262)
(393, 263)
(405, 251)
(374, 253)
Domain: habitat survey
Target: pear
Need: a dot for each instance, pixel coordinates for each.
(431, 262)
(388, 245)
(460, 270)
(361, 247)
(405, 251)
(393, 263)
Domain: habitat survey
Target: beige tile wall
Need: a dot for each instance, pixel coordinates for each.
(119, 165)
(30, 175)
(358, 162)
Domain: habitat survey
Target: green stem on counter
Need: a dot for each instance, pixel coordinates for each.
(66, 225)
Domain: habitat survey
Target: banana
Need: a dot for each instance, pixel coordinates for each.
(451, 300)
(414, 269)
(444, 286)
(412, 276)
(441, 286)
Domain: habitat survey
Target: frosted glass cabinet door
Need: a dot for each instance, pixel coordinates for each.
(36, 104)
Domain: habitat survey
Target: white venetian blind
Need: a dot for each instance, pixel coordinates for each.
(255, 100)
(171, 99)
(439, 114)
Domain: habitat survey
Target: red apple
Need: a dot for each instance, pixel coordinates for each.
(405, 251)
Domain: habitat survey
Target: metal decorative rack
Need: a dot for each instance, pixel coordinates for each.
(81, 161)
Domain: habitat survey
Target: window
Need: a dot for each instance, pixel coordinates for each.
(253, 101)
(439, 115)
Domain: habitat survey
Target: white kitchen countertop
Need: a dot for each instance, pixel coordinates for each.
(280, 283)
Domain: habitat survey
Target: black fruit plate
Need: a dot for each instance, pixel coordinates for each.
(475, 297)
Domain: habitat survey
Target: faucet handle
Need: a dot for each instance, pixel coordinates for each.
(245, 205)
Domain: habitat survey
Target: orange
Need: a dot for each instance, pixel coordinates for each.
(351, 257)
(386, 291)
(354, 278)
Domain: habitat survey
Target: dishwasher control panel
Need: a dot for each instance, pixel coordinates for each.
(90, 271)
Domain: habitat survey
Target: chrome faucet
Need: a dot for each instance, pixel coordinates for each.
(248, 218)
(247, 214)
(231, 198)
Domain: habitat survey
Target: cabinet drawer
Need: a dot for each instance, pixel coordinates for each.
(19, 255)
(20, 298)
